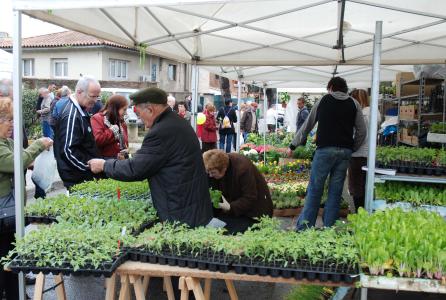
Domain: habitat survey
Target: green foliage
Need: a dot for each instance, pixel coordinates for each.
(279, 139)
(104, 97)
(423, 156)
(329, 246)
(416, 194)
(284, 97)
(107, 188)
(393, 242)
(79, 246)
(215, 197)
(77, 210)
(438, 127)
(29, 101)
(310, 292)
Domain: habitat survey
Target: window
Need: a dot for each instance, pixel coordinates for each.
(153, 73)
(118, 69)
(28, 67)
(60, 67)
(172, 72)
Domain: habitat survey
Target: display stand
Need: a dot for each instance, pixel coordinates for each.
(137, 274)
(40, 284)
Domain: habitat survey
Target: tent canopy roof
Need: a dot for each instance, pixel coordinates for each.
(259, 33)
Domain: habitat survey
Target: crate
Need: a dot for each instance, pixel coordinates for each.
(408, 112)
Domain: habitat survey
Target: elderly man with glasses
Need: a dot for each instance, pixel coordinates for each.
(74, 143)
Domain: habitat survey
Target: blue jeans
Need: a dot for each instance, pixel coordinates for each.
(228, 138)
(47, 131)
(332, 161)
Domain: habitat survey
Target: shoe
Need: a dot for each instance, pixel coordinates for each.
(30, 280)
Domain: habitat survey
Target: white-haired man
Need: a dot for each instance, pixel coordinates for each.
(74, 143)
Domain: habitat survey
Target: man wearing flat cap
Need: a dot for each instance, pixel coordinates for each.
(170, 158)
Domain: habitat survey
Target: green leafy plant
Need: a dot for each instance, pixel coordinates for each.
(416, 194)
(69, 245)
(438, 127)
(81, 210)
(110, 188)
(310, 292)
(397, 243)
(215, 197)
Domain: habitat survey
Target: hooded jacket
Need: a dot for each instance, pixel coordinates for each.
(340, 123)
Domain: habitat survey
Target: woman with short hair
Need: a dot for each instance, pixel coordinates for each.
(8, 280)
(110, 130)
(245, 193)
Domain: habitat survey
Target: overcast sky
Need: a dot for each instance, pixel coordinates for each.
(30, 26)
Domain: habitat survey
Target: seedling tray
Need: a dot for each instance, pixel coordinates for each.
(106, 269)
(113, 195)
(40, 219)
(302, 271)
(204, 262)
(413, 168)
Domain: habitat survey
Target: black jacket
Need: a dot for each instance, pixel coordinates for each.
(74, 144)
(170, 158)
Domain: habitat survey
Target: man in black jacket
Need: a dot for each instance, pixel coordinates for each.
(170, 158)
(74, 144)
(341, 130)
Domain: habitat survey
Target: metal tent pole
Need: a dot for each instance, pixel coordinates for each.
(19, 181)
(265, 104)
(195, 99)
(239, 112)
(373, 124)
(277, 109)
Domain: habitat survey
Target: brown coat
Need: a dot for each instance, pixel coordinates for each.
(244, 188)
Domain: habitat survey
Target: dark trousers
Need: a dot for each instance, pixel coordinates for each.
(356, 180)
(207, 146)
(39, 192)
(9, 282)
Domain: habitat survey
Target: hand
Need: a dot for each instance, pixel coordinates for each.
(122, 154)
(47, 142)
(225, 206)
(289, 152)
(114, 128)
(96, 165)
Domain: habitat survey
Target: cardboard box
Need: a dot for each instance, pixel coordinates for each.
(406, 89)
(408, 112)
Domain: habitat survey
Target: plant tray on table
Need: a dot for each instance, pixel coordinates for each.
(69, 249)
(135, 215)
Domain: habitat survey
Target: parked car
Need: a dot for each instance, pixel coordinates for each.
(131, 118)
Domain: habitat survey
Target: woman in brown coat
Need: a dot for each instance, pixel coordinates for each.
(245, 193)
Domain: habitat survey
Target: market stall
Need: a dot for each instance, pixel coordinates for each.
(248, 34)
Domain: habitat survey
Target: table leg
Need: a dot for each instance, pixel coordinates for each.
(169, 288)
(38, 287)
(60, 289)
(124, 294)
(194, 284)
(184, 289)
(207, 288)
(110, 285)
(231, 289)
(145, 284)
(137, 285)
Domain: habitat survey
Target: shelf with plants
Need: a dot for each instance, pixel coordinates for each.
(421, 108)
(410, 196)
(437, 133)
(135, 215)
(69, 249)
(420, 161)
(397, 244)
(326, 255)
(113, 189)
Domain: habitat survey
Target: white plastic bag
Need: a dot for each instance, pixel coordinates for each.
(45, 169)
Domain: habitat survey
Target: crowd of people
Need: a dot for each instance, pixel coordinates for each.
(92, 142)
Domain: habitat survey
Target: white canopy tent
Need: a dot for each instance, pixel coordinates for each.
(238, 33)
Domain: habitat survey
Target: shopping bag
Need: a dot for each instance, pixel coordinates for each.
(45, 169)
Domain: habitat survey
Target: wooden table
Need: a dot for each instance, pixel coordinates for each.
(138, 274)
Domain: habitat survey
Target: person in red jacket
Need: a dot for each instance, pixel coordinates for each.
(209, 131)
(110, 130)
